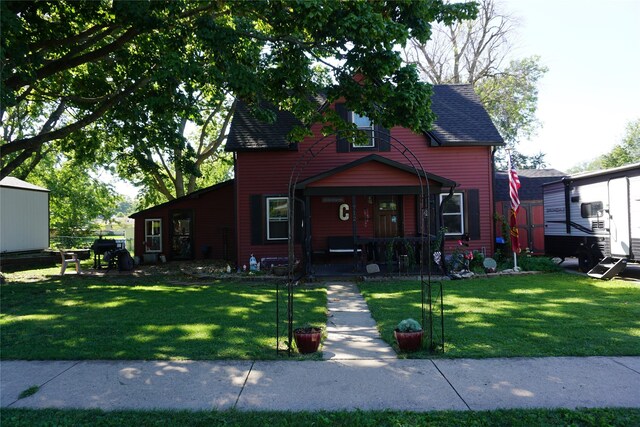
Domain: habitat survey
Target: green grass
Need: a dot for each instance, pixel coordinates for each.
(150, 317)
(532, 315)
(517, 417)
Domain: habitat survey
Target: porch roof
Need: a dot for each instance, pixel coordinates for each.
(372, 174)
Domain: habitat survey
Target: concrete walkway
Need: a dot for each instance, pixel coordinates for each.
(417, 385)
(351, 331)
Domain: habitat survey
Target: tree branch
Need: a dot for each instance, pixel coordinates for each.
(35, 142)
(17, 81)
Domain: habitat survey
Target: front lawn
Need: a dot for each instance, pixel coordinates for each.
(523, 315)
(149, 317)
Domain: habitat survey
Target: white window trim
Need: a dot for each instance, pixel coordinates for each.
(372, 142)
(152, 235)
(460, 214)
(268, 199)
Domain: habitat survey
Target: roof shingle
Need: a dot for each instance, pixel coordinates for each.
(461, 120)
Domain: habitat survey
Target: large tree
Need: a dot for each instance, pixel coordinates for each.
(178, 142)
(624, 153)
(475, 52)
(78, 197)
(66, 65)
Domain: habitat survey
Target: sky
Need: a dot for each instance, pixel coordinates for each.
(592, 88)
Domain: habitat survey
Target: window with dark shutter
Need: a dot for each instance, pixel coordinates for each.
(277, 218)
(377, 138)
(453, 213)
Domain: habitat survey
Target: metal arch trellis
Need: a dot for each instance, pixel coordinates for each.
(435, 340)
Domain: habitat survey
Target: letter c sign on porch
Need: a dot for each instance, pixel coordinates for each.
(344, 212)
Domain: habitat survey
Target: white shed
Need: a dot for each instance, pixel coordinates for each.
(24, 216)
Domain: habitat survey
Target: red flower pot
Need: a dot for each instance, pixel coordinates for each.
(408, 341)
(307, 340)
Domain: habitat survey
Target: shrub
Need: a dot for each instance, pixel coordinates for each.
(538, 263)
(409, 325)
(476, 264)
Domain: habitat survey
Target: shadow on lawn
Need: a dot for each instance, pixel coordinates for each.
(542, 315)
(75, 317)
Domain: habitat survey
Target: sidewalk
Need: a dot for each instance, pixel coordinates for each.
(376, 384)
(361, 372)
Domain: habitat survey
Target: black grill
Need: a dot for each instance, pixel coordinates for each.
(100, 247)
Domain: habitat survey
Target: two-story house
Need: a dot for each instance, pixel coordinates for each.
(352, 196)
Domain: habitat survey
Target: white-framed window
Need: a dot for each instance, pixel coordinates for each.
(453, 214)
(364, 124)
(153, 235)
(277, 218)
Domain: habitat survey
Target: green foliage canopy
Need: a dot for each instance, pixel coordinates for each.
(77, 196)
(66, 64)
(624, 153)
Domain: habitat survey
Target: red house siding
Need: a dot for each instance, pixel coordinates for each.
(268, 173)
(213, 226)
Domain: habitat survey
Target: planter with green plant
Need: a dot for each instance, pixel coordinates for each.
(408, 335)
(307, 338)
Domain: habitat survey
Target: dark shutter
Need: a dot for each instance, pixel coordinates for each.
(473, 214)
(257, 219)
(342, 144)
(383, 138)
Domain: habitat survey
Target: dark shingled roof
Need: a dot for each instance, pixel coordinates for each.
(194, 195)
(249, 133)
(531, 181)
(461, 120)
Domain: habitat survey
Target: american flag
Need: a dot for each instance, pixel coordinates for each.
(514, 186)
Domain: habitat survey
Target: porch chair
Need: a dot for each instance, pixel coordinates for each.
(68, 258)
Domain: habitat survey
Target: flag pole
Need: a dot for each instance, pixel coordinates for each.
(514, 186)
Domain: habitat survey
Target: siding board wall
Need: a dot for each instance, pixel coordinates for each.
(269, 173)
(213, 223)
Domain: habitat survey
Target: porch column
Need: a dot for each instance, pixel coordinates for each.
(354, 225)
(307, 235)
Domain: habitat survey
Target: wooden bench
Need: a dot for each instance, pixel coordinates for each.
(342, 245)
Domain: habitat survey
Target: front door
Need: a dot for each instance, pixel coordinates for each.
(619, 226)
(181, 228)
(387, 216)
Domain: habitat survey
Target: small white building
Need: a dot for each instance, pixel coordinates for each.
(24, 216)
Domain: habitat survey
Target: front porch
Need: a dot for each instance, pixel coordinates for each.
(391, 256)
(371, 211)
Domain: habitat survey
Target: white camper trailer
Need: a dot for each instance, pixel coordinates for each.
(595, 216)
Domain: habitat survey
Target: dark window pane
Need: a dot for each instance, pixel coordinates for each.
(278, 230)
(452, 223)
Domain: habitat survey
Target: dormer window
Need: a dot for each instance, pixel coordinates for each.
(375, 137)
(364, 124)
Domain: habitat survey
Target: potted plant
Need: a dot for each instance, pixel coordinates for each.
(408, 335)
(307, 338)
